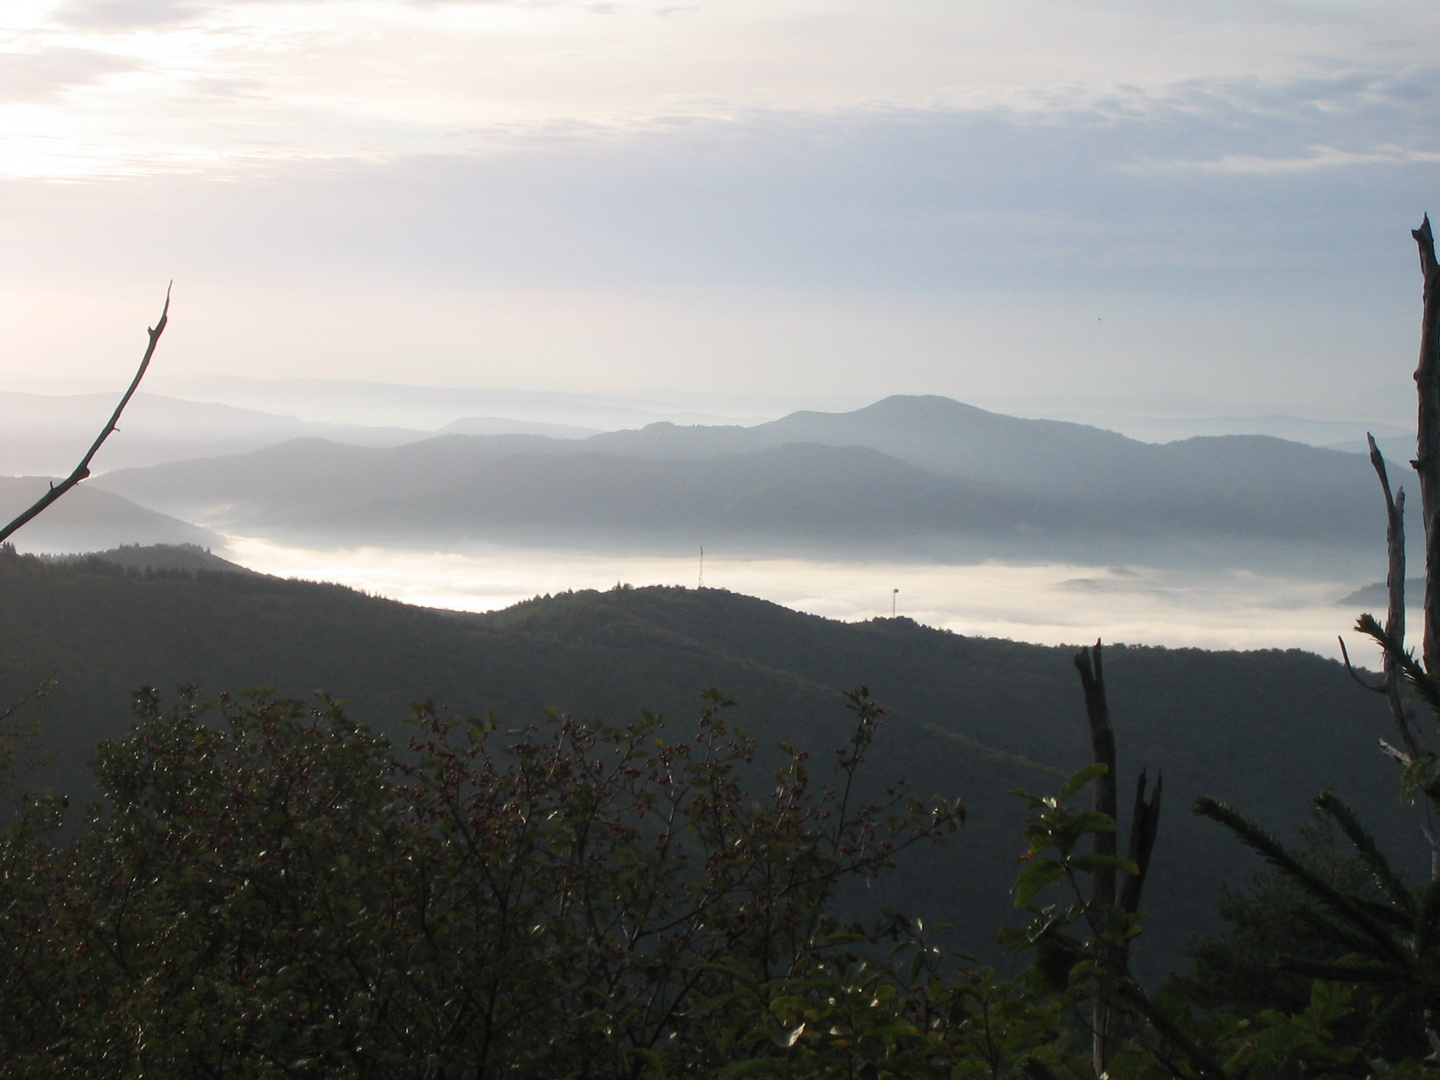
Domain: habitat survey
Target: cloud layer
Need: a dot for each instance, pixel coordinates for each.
(46, 73)
(1214, 198)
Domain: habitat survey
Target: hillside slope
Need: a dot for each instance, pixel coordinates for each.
(968, 717)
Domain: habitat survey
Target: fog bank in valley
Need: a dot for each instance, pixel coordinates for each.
(1044, 603)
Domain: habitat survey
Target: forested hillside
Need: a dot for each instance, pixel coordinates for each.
(968, 717)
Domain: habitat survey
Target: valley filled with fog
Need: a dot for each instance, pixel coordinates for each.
(1048, 604)
(1234, 532)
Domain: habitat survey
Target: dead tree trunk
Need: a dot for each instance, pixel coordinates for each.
(1427, 461)
(1109, 911)
(1102, 745)
(1427, 467)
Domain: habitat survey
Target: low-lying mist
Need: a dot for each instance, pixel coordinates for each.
(1048, 603)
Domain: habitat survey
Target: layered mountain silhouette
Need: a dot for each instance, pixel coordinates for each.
(903, 473)
(89, 519)
(43, 433)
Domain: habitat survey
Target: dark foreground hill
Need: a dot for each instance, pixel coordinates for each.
(968, 717)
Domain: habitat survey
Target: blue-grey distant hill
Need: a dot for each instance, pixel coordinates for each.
(89, 519)
(45, 434)
(904, 474)
(1055, 459)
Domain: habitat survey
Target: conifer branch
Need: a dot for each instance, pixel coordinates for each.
(1273, 852)
(1396, 890)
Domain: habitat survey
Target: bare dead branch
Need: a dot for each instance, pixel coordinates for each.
(1434, 842)
(83, 469)
(1394, 546)
(1427, 460)
(1393, 683)
(1395, 752)
(40, 692)
(1374, 688)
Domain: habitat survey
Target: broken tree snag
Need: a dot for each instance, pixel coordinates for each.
(1102, 742)
(1144, 824)
(1109, 914)
(1427, 460)
(1395, 591)
(1105, 1018)
(82, 470)
(1394, 546)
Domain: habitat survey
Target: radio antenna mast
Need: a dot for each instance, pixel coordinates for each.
(702, 566)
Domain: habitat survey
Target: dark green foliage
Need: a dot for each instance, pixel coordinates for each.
(1362, 1013)
(1380, 936)
(269, 893)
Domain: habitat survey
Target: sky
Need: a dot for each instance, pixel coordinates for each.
(1198, 205)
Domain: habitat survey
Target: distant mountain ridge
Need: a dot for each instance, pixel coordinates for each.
(151, 558)
(799, 491)
(904, 470)
(433, 407)
(1041, 457)
(90, 519)
(44, 434)
(1376, 596)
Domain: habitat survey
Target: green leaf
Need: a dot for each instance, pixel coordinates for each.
(1091, 821)
(1036, 876)
(1081, 778)
(755, 1067)
(1096, 862)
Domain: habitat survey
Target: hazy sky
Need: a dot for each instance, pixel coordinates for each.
(802, 197)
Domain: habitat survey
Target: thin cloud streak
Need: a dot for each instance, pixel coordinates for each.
(373, 79)
(116, 16)
(44, 75)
